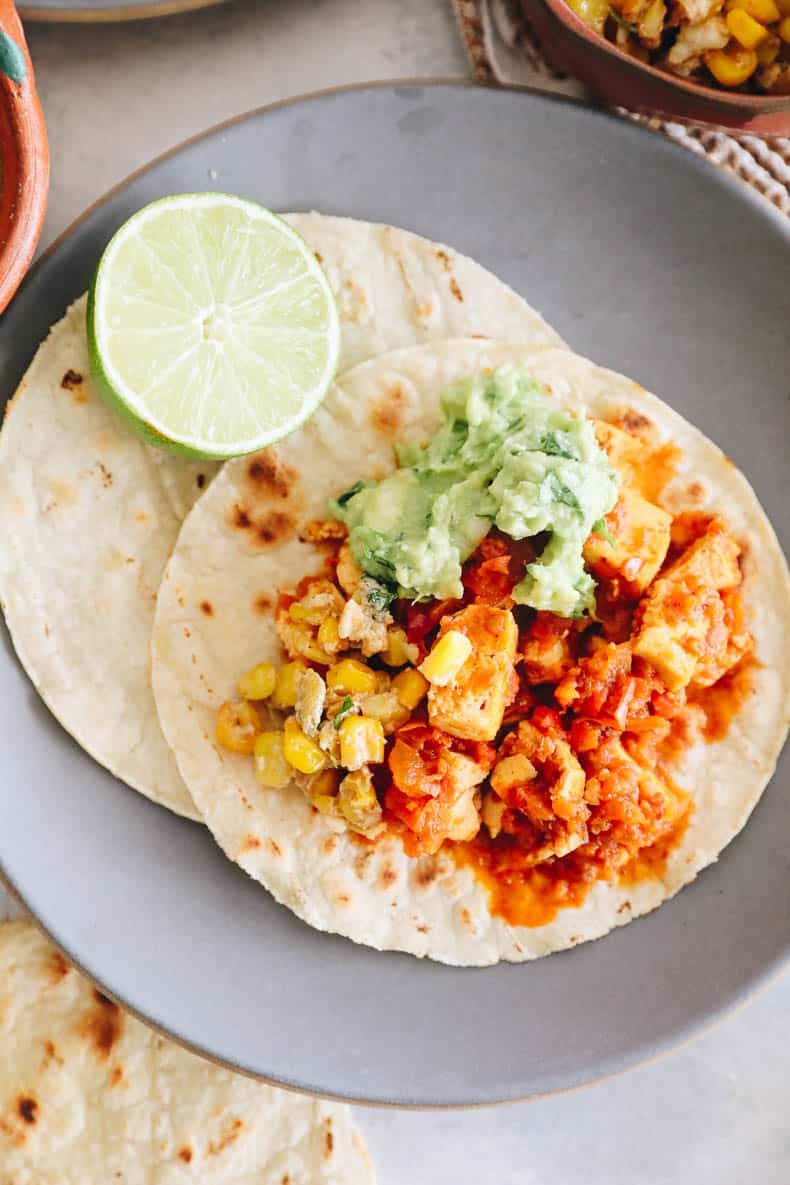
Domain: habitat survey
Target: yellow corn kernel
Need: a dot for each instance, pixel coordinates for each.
(324, 785)
(238, 724)
(351, 676)
(398, 650)
(284, 694)
(745, 29)
(733, 66)
(764, 11)
(271, 768)
(328, 635)
(300, 752)
(446, 659)
(297, 612)
(768, 52)
(258, 683)
(326, 804)
(361, 742)
(410, 687)
(783, 29)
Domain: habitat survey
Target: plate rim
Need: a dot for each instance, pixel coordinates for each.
(647, 1053)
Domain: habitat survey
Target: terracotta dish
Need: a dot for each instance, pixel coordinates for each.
(24, 156)
(575, 48)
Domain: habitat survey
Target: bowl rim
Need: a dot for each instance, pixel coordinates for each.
(735, 100)
(26, 151)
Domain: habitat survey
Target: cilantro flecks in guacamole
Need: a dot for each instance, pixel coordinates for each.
(505, 456)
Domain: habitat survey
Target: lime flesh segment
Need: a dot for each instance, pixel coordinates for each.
(212, 328)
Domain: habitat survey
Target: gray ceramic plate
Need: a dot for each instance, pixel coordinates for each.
(647, 260)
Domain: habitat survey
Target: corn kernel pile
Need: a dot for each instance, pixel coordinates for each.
(739, 44)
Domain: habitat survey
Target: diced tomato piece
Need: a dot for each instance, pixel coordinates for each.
(416, 759)
(425, 818)
(547, 719)
(490, 581)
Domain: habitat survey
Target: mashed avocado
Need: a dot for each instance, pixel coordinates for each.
(507, 456)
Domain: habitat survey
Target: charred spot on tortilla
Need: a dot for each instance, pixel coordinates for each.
(240, 518)
(275, 848)
(274, 528)
(206, 608)
(636, 422)
(71, 379)
(50, 1055)
(200, 480)
(228, 1136)
(103, 1026)
(262, 604)
(116, 1078)
(250, 843)
(57, 967)
(388, 876)
(266, 472)
(444, 259)
(27, 1109)
(362, 860)
(329, 845)
(386, 415)
(456, 291)
(427, 872)
(185, 1154)
(329, 1139)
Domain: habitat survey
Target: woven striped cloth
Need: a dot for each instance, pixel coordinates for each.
(501, 48)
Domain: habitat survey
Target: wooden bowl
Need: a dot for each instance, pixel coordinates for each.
(24, 156)
(574, 48)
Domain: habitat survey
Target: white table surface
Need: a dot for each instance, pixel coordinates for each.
(716, 1112)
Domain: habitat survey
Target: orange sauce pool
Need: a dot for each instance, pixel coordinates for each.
(658, 470)
(533, 897)
(724, 699)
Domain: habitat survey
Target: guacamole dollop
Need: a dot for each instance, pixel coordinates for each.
(505, 455)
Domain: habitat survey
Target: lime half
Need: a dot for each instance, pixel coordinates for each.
(212, 328)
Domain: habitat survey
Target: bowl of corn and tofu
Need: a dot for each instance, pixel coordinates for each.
(708, 75)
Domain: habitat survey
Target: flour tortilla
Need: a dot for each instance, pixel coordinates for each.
(90, 513)
(377, 895)
(90, 1096)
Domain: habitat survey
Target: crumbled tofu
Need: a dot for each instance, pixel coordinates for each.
(310, 699)
(386, 707)
(358, 804)
(365, 618)
(693, 41)
(695, 12)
